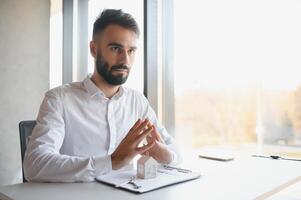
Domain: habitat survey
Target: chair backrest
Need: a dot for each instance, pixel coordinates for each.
(25, 130)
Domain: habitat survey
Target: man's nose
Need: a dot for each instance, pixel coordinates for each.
(124, 58)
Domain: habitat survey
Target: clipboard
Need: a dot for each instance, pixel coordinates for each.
(128, 180)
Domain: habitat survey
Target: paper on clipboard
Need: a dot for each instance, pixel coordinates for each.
(121, 179)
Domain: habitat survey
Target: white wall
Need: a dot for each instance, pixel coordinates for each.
(24, 75)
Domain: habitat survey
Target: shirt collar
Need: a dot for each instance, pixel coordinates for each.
(119, 93)
(93, 90)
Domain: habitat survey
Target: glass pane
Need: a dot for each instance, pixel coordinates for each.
(237, 72)
(56, 44)
(135, 8)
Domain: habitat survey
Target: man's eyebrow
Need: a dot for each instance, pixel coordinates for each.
(120, 45)
(115, 44)
(134, 47)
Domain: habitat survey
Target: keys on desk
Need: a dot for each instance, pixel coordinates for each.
(131, 181)
(134, 184)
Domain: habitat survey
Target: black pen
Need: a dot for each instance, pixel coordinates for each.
(276, 157)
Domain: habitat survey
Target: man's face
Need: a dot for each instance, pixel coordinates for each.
(115, 53)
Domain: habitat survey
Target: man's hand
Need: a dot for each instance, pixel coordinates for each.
(128, 148)
(159, 150)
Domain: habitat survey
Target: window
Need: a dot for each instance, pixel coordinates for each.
(55, 43)
(237, 72)
(135, 8)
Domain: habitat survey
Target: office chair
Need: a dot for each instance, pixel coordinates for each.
(25, 130)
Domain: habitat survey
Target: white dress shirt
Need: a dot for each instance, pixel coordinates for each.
(78, 129)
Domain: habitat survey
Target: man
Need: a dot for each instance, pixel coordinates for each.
(85, 129)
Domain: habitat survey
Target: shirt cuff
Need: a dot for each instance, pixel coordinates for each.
(174, 160)
(102, 164)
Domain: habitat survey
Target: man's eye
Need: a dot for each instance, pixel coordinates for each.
(131, 51)
(115, 49)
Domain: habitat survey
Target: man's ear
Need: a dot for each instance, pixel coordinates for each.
(93, 49)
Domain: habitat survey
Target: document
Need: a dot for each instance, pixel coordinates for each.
(166, 176)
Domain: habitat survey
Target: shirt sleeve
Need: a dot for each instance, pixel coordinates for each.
(149, 113)
(43, 161)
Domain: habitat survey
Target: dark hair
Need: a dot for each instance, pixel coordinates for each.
(117, 17)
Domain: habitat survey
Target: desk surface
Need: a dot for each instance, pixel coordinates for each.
(244, 178)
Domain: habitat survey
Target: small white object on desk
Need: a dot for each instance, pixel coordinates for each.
(219, 154)
(146, 167)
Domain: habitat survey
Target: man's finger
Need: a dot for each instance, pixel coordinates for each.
(138, 122)
(150, 137)
(145, 148)
(156, 134)
(141, 127)
(143, 134)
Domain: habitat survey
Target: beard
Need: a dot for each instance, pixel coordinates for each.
(106, 72)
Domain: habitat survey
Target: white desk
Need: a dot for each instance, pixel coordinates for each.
(241, 179)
